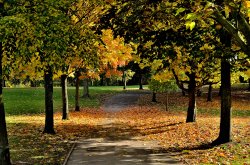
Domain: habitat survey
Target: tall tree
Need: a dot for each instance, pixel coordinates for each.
(12, 38)
(4, 145)
(50, 40)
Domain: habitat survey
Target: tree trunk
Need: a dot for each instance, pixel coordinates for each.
(199, 93)
(86, 88)
(77, 106)
(191, 113)
(220, 90)
(225, 119)
(49, 114)
(154, 97)
(32, 83)
(183, 93)
(209, 94)
(249, 84)
(140, 82)
(4, 144)
(65, 100)
(124, 80)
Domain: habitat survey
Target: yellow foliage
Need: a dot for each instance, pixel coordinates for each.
(114, 52)
(163, 76)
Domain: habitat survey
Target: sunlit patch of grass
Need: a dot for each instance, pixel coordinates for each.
(19, 101)
(179, 104)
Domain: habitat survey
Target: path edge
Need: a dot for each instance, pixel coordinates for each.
(69, 153)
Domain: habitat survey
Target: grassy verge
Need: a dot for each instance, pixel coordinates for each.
(19, 101)
(178, 104)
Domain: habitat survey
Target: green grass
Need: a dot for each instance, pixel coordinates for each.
(20, 101)
(210, 111)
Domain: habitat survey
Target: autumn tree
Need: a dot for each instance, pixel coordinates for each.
(113, 53)
(233, 27)
(13, 34)
(50, 39)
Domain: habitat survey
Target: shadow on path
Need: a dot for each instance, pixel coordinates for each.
(116, 144)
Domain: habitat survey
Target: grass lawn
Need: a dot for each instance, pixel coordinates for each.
(19, 101)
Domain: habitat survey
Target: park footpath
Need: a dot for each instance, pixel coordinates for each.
(115, 149)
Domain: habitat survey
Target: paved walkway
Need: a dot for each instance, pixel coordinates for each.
(118, 148)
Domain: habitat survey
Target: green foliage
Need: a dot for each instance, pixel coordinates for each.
(165, 86)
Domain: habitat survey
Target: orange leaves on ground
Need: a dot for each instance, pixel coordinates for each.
(28, 143)
(190, 140)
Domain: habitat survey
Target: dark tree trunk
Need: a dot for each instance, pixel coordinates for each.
(199, 93)
(209, 94)
(65, 101)
(183, 93)
(154, 97)
(77, 94)
(140, 82)
(220, 90)
(4, 83)
(102, 80)
(225, 119)
(249, 84)
(49, 114)
(124, 80)
(32, 83)
(191, 113)
(4, 144)
(225, 116)
(86, 88)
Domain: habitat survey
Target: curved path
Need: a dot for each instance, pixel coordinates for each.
(123, 100)
(118, 147)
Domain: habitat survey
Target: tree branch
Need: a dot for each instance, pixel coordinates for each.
(178, 82)
(244, 27)
(231, 29)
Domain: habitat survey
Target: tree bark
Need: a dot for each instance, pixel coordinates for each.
(225, 119)
(183, 92)
(65, 100)
(32, 83)
(249, 84)
(86, 88)
(4, 144)
(77, 94)
(140, 82)
(49, 114)
(209, 94)
(220, 90)
(154, 97)
(191, 113)
(124, 80)
(199, 93)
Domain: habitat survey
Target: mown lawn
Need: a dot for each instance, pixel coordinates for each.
(20, 101)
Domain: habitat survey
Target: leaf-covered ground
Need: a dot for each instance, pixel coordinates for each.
(190, 141)
(29, 145)
(187, 141)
